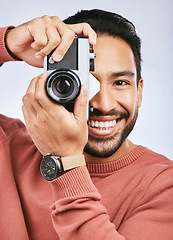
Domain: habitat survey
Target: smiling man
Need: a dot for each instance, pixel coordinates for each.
(118, 69)
(116, 105)
(98, 183)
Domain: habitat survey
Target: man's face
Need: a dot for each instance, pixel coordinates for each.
(116, 105)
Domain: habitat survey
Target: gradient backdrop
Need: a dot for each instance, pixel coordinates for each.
(154, 24)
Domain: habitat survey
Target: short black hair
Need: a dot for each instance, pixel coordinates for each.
(109, 23)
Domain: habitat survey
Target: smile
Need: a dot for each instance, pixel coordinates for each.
(102, 125)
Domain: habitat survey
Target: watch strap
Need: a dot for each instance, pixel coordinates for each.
(73, 161)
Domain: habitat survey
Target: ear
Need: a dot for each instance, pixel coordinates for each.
(139, 91)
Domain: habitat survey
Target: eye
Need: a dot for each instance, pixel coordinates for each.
(120, 83)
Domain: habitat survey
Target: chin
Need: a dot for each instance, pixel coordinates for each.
(103, 147)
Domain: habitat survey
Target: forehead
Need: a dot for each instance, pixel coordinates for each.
(113, 54)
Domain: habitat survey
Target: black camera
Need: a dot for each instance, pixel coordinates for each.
(66, 77)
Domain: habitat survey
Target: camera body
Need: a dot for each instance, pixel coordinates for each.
(66, 77)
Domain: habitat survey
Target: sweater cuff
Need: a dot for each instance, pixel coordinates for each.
(74, 182)
(4, 55)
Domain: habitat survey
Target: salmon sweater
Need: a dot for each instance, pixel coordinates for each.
(127, 199)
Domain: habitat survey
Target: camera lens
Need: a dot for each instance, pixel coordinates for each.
(63, 86)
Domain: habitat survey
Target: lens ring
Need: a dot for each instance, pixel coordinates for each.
(63, 75)
(60, 78)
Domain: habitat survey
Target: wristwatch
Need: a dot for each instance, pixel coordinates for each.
(53, 166)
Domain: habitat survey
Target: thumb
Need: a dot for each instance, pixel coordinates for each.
(80, 106)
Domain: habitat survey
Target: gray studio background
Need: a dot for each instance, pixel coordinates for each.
(154, 24)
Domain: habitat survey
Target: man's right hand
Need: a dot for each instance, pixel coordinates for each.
(33, 40)
(54, 129)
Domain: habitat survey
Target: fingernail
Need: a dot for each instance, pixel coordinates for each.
(57, 57)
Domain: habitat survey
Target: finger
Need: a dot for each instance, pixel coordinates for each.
(31, 94)
(29, 111)
(46, 37)
(53, 41)
(81, 105)
(66, 41)
(38, 31)
(85, 30)
(31, 87)
(40, 93)
(67, 36)
(44, 106)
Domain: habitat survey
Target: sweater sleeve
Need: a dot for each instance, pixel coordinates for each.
(77, 212)
(4, 55)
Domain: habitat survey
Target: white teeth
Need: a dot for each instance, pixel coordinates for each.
(111, 123)
(96, 124)
(102, 125)
(92, 123)
(114, 122)
(106, 124)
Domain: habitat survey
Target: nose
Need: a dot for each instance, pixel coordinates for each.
(103, 100)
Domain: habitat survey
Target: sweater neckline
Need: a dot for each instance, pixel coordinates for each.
(117, 164)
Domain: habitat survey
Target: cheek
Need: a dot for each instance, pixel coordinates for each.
(128, 101)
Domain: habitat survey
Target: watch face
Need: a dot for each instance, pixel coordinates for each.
(50, 168)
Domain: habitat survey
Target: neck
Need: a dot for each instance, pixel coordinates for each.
(125, 148)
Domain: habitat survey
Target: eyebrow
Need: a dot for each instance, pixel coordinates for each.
(121, 74)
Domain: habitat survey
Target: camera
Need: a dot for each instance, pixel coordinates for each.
(66, 77)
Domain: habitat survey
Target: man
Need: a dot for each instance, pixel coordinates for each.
(126, 190)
